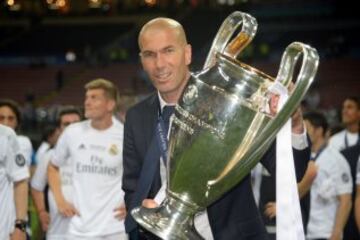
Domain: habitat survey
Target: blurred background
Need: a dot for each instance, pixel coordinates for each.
(50, 48)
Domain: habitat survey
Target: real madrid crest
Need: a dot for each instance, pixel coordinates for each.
(345, 177)
(20, 160)
(113, 149)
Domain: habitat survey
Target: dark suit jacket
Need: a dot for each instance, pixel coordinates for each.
(352, 156)
(138, 131)
(233, 217)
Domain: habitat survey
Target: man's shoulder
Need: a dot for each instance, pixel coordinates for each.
(118, 125)
(8, 137)
(143, 105)
(6, 131)
(24, 140)
(338, 136)
(333, 154)
(77, 127)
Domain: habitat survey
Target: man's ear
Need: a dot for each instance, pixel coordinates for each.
(111, 105)
(188, 54)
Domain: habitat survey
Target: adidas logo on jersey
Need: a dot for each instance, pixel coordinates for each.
(82, 146)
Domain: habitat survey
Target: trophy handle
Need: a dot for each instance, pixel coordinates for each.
(310, 61)
(227, 29)
(309, 66)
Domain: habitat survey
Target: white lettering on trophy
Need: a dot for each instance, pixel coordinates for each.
(193, 119)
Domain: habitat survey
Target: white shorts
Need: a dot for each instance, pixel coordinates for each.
(116, 236)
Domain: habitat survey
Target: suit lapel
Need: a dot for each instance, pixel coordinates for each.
(150, 120)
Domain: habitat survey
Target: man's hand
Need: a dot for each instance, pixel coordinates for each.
(149, 203)
(270, 210)
(44, 220)
(336, 236)
(297, 123)
(296, 119)
(120, 212)
(18, 235)
(66, 209)
(273, 104)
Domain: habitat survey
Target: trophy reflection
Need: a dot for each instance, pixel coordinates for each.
(221, 127)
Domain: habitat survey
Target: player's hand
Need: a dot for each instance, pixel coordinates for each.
(149, 203)
(44, 220)
(120, 212)
(273, 103)
(336, 236)
(67, 209)
(270, 210)
(297, 123)
(18, 235)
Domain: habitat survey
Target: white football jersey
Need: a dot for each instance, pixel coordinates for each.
(338, 141)
(96, 162)
(12, 169)
(43, 148)
(59, 225)
(25, 148)
(333, 179)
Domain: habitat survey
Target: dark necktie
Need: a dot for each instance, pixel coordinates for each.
(166, 113)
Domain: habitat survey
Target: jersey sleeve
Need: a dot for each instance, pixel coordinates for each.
(26, 149)
(61, 152)
(39, 179)
(16, 163)
(344, 179)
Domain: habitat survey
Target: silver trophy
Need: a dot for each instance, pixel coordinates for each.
(222, 127)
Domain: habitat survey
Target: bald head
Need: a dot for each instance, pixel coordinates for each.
(162, 24)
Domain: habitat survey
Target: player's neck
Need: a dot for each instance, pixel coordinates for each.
(316, 145)
(353, 128)
(102, 123)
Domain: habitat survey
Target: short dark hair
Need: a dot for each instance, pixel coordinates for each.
(48, 130)
(317, 119)
(68, 110)
(14, 107)
(354, 99)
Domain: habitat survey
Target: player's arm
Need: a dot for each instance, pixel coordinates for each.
(65, 208)
(342, 214)
(39, 202)
(21, 201)
(38, 185)
(357, 207)
(310, 174)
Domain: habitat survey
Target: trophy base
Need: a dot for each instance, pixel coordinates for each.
(172, 220)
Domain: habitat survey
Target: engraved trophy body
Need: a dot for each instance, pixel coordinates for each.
(221, 127)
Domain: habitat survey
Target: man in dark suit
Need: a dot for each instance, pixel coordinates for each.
(165, 56)
(352, 228)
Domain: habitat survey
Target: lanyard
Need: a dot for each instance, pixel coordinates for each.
(161, 136)
(162, 127)
(319, 152)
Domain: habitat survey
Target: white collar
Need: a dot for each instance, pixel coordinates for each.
(163, 103)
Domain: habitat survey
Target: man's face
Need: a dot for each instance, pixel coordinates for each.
(310, 130)
(97, 104)
(68, 119)
(165, 59)
(350, 112)
(8, 117)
